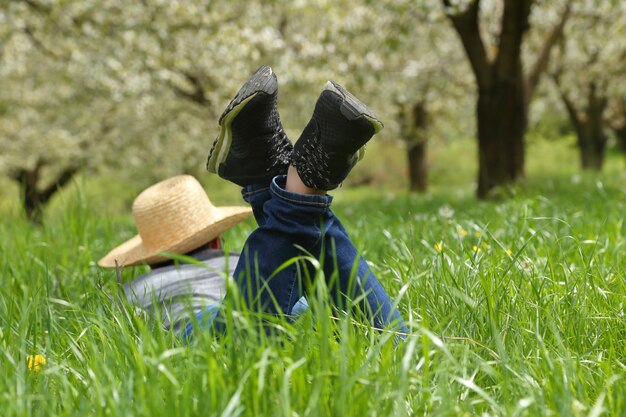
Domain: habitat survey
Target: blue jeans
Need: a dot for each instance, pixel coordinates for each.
(294, 225)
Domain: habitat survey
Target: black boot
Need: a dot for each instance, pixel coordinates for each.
(252, 146)
(332, 142)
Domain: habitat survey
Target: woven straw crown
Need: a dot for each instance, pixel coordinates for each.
(176, 216)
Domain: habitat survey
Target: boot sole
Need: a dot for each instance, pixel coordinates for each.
(261, 82)
(353, 109)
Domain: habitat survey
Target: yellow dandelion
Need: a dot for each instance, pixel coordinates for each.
(476, 249)
(509, 251)
(477, 234)
(485, 245)
(462, 232)
(438, 246)
(35, 362)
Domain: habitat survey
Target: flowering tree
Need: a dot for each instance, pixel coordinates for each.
(44, 128)
(417, 49)
(394, 54)
(618, 122)
(95, 85)
(589, 73)
(504, 89)
(87, 86)
(166, 68)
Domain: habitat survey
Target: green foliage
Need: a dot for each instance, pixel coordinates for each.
(83, 84)
(137, 87)
(515, 308)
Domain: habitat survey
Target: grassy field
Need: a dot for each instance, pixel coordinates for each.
(516, 308)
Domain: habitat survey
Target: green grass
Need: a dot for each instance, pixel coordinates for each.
(519, 313)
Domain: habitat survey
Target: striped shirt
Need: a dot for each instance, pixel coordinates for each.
(182, 291)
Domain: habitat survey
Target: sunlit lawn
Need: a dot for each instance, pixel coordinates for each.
(516, 307)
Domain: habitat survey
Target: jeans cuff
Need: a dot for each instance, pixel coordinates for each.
(252, 189)
(278, 189)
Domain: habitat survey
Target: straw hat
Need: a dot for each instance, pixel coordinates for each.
(175, 216)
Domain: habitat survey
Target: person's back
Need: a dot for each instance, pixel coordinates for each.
(181, 291)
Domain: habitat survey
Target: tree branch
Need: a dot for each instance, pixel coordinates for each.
(571, 109)
(38, 7)
(467, 26)
(541, 62)
(596, 102)
(16, 174)
(38, 44)
(61, 181)
(282, 25)
(572, 112)
(197, 94)
(618, 124)
(618, 121)
(513, 25)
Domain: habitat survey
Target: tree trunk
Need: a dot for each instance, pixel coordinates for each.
(414, 124)
(592, 158)
(620, 133)
(30, 197)
(592, 142)
(418, 170)
(592, 146)
(619, 125)
(503, 91)
(589, 125)
(501, 115)
(33, 198)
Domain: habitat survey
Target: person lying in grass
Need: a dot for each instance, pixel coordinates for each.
(176, 216)
(286, 187)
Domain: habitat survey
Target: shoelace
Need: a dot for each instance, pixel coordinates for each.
(280, 149)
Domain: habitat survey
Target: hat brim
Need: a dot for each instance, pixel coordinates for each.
(134, 252)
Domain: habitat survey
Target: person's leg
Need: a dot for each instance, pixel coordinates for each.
(271, 269)
(252, 146)
(329, 147)
(293, 224)
(352, 279)
(301, 225)
(349, 277)
(256, 195)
